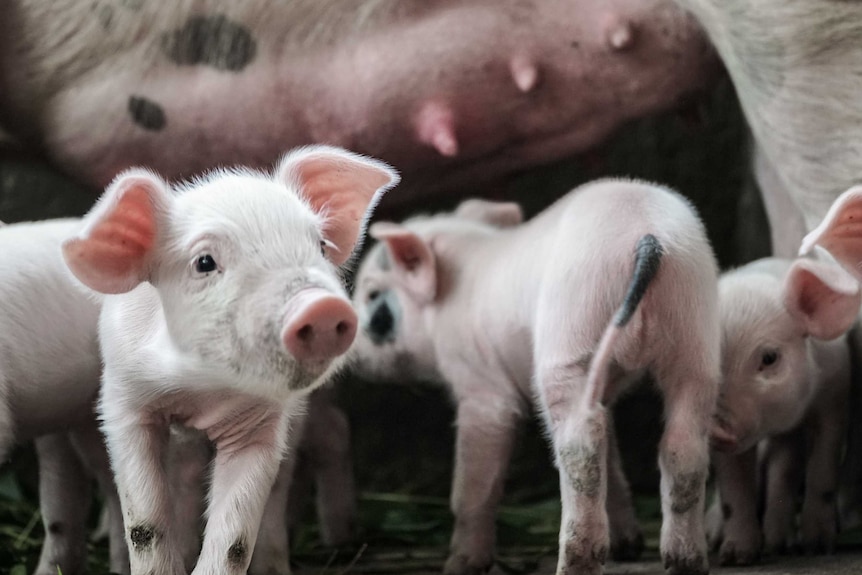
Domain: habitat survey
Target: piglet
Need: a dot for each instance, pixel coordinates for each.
(49, 378)
(505, 313)
(225, 309)
(839, 234)
(786, 371)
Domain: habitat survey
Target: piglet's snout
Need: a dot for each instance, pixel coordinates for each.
(318, 325)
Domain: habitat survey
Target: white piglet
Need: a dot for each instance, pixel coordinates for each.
(786, 370)
(226, 310)
(504, 313)
(49, 380)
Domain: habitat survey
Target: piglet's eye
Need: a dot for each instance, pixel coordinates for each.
(373, 295)
(205, 264)
(770, 357)
(323, 248)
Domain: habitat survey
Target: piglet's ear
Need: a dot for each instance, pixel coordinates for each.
(342, 187)
(498, 214)
(414, 262)
(840, 232)
(113, 252)
(823, 297)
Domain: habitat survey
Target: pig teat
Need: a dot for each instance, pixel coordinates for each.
(318, 325)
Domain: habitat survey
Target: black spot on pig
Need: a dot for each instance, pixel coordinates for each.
(142, 537)
(685, 492)
(381, 323)
(211, 41)
(383, 310)
(236, 552)
(146, 113)
(648, 254)
(55, 528)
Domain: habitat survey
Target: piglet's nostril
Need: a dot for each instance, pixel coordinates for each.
(305, 332)
(342, 328)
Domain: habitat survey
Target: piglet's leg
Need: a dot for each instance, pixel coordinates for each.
(714, 522)
(486, 429)
(737, 485)
(580, 439)
(64, 498)
(327, 440)
(819, 523)
(784, 474)
(271, 552)
(245, 467)
(90, 445)
(689, 402)
(137, 447)
(189, 455)
(627, 541)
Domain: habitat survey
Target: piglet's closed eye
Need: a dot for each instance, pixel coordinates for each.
(341, 187)
(822, 297)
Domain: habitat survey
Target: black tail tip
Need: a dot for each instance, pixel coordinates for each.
(648, 253)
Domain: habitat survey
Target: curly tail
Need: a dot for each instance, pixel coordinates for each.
(648, 253)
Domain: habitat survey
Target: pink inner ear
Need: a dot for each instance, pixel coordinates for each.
(824, 297)
(342, 188)
(414, 261)
(407, 252)
(112, 257)
(840, 233)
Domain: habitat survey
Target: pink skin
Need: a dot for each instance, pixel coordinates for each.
(513, 85)
(486, 305)
(786, 383)
(204, 279)
(320, 326)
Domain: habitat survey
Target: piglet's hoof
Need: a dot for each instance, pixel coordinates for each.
(686, 565)
(782, 546)
(819, 544)
(736, 553)
(463, 565)
(819, 530)
(582, 559)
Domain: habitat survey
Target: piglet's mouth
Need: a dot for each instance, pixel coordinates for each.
(723, 440)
